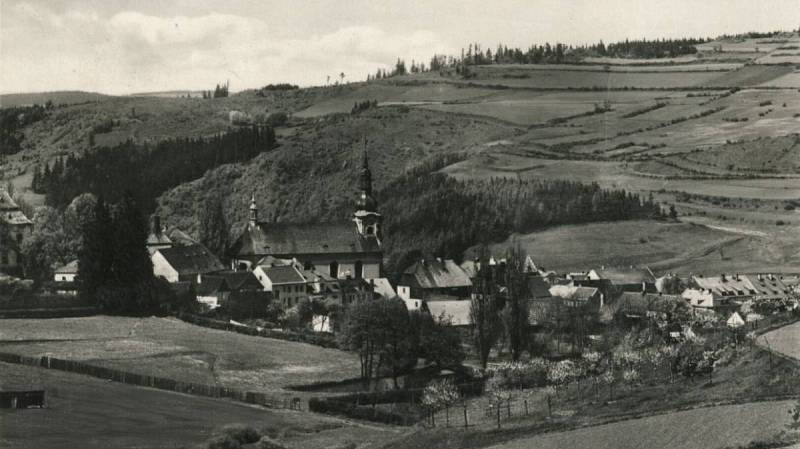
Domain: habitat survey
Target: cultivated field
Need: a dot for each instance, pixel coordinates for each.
(87, 413)
(704, 428)
(785, 340)
(664, 247)
(170, 348)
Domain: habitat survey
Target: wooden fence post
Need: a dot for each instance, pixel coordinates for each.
(466, 422)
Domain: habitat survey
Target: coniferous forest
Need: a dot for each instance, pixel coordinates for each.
(146, 170)
(437, 215)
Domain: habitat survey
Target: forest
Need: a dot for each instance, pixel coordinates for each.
(437, 215)
(146, 170)
(12, 120)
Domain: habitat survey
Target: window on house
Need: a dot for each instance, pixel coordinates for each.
(359, 269)
(334, 269)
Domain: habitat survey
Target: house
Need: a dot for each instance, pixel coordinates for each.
(768, 286)
(735, 320)
(285, 282)
(538, 288)
(14, 227)
(629, 279)
(218, 288)
(185, 263)
(576, 295)
(453, 312)
(157, 239)
(716, 292)
(428, 277)
(64, 279)
(382, 287)
(345, 249)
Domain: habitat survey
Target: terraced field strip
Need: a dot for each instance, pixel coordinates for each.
(703, 428)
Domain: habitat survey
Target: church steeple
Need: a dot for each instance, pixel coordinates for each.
(253, 212)
(365, 201)
(368, 220)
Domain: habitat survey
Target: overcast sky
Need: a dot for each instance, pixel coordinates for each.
(122, 47)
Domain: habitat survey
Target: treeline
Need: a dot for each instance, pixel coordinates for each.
(220, 91)
(147, 170)
(437, 215)
(12, 120)
(546, 53)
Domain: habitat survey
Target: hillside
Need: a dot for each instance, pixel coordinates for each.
(719, 123)
(58, 98)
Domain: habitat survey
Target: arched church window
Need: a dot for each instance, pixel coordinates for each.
(334, 269)
(359, 270)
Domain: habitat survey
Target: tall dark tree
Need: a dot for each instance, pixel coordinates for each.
(518, 302)
(213, 225)
(95, 255)
(131, 268)
(485, 312)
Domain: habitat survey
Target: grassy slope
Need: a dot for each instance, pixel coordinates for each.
(707, 428)
(88, 413)
(173, 349)
(664, 247)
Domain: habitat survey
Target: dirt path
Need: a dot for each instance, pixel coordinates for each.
(703, 428)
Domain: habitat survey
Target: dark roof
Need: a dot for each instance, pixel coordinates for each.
(283, 275)
(538, 288)
(311, 238)
(178, 237)
(191, 259)
(211, 285)
(238, 280)
(437, 274)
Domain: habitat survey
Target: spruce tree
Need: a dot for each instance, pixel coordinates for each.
(94, 256)
(132, 270)
(213, 225)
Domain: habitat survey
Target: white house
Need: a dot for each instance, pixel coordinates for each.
(184, 263)
(64, 278)
(285, 282)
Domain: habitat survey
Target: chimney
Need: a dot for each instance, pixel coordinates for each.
(156, 229)
(722, 277)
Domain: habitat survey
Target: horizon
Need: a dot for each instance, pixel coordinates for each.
(127, 47)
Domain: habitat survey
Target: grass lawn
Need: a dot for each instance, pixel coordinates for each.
(785, 340)
(177, 350)
(86, 413)
(705, 428)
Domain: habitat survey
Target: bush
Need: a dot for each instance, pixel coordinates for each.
(269, 443)
(241, 433)
(223, 442)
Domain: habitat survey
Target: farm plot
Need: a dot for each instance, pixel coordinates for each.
(559, 79)
(521, 112)
(343, 101)
(704, 428)
(174, 349)
(785, 340)
(621, 175)
(87, 413)
(752, 75)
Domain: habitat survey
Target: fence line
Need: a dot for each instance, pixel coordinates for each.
(143, 380)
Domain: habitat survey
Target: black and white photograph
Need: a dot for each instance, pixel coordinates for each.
(399, 224)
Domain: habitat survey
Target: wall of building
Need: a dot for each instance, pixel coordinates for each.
(163, 269)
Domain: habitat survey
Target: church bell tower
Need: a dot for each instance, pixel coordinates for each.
(366, 216)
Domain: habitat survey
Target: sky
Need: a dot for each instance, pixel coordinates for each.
(122, 47)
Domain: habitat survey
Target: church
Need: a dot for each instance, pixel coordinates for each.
(348, 249)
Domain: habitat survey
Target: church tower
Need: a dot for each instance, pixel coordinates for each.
(253, 221)
(366, 216)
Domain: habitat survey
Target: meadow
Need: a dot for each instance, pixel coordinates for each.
(87, 413)
(170, 348)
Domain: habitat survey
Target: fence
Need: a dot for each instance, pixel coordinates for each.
(161, 383)
(324, 340)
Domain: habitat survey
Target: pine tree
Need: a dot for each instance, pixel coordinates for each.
(213, 226)
(94, 257)
(131, 268)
